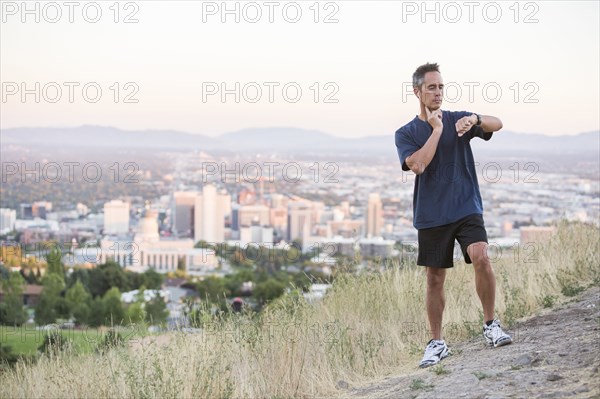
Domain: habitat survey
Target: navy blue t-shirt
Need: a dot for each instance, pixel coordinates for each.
(448, 189)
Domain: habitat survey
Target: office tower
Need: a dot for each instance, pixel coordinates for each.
(183, 213)
(26, 211)
(116, 217)
(299, 220)
(374, 221)
(8, 218)
(209, 214)
(235, 217)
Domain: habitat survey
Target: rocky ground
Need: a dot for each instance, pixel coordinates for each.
(555, 354)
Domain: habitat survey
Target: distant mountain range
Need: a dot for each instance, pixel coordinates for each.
(284, 139)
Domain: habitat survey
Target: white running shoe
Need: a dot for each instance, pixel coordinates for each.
(494, 336)
(435, 351)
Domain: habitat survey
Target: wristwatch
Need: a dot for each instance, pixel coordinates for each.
(478, 119)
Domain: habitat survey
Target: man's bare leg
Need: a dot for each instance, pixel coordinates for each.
(485, 279)
(435, 300)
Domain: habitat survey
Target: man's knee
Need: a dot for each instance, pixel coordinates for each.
(478, 254)
(435, 277)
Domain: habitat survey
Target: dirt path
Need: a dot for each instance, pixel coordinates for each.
(555, 354)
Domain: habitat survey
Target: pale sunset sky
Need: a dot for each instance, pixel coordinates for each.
(534, 64)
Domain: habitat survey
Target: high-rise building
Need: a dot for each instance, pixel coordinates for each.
(209, 214)
(116, 217)
(235, 217)
(299, 220)
(183, 212)
(225, 202)
(26, 211)
(8, 218)
(374, 214)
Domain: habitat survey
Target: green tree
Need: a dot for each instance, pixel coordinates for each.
(152, 279)
(31, 278)
(7, 356)
(114, 314)
(79, 274)
(4, 272)
(234, 282)
(213, 288)
(268, 290)
(203, 244)
(78, 302)
(156, 311)
(47, 309)
(135, 313)
(11, 307)
(107, 275)
(96, 315)
(54, 260)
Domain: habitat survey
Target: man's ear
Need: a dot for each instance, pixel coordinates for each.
(418, 93)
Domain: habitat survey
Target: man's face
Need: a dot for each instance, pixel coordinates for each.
(431, 92)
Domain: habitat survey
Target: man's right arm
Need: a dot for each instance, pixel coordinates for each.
(419, 160)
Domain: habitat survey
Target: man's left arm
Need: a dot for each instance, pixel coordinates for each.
(488, 124)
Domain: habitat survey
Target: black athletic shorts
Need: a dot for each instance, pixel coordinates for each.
(436, 244)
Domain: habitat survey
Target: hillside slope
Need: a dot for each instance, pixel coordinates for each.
(555, 354)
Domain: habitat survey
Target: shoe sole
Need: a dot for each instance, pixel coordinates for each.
(444, 355)
(499, 344)
(503, 343)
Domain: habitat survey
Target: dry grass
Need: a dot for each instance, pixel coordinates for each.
(366, 327)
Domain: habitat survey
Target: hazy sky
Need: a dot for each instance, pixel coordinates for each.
(533, 64)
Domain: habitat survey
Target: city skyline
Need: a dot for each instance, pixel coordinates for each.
(353, 65)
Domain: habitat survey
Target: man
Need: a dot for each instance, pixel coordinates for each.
(447, 204)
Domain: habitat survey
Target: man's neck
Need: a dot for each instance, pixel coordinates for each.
(423, 114)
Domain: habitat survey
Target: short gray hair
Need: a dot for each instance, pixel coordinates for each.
(419, 74)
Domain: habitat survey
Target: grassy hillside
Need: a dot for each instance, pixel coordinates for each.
(367, 326)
